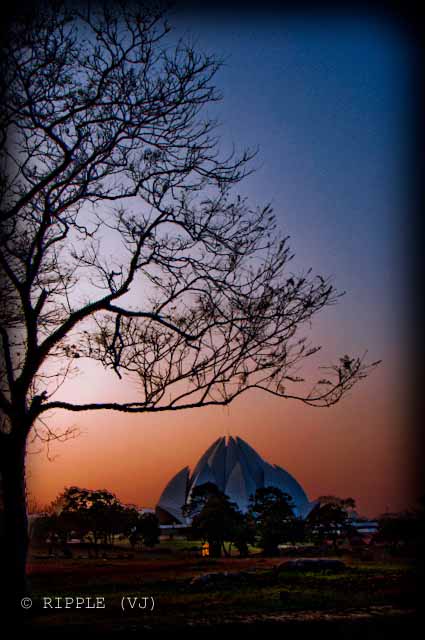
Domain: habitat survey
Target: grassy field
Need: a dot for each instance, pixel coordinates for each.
(254, 591)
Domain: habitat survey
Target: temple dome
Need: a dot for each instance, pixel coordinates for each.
(238, 471)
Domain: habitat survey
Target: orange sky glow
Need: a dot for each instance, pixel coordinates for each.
(361, 447)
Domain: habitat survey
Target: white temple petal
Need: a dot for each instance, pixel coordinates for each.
(204, 458)
(294, 488)
(231, 457)
(236, 487)
(174, 495)
(217, 462)
(253, 460)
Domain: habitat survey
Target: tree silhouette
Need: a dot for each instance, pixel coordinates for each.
(123, 242)
(199, 497)
(331, 519)
(275, 522)
(217, 521)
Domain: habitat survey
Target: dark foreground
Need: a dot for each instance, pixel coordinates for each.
(166, 590)
(362, 625)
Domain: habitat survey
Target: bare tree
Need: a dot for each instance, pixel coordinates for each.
(106, 142)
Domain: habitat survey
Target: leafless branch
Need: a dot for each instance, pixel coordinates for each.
(123, 240)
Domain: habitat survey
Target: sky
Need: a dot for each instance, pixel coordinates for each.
(327, 99)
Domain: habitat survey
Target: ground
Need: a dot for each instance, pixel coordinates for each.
(374, 596)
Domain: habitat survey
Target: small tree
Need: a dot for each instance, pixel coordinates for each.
(104, 143)
(57, 525)
(331, 519)
(275, 522)
(243, 533)
(403, 532)
(214, 517)
(148, 529)
(199, 497)
(129, 518)
(96, 514)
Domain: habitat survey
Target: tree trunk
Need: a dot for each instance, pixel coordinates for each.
(14, 542)
(215, 549)
(243, 550)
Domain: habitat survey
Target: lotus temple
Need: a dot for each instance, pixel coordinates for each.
(238, 471)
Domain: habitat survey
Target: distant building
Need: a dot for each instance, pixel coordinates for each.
(238, 471)
(142, 510)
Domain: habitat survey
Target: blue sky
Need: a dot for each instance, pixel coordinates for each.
(327, 99)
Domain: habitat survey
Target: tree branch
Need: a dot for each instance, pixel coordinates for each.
(150, 316)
